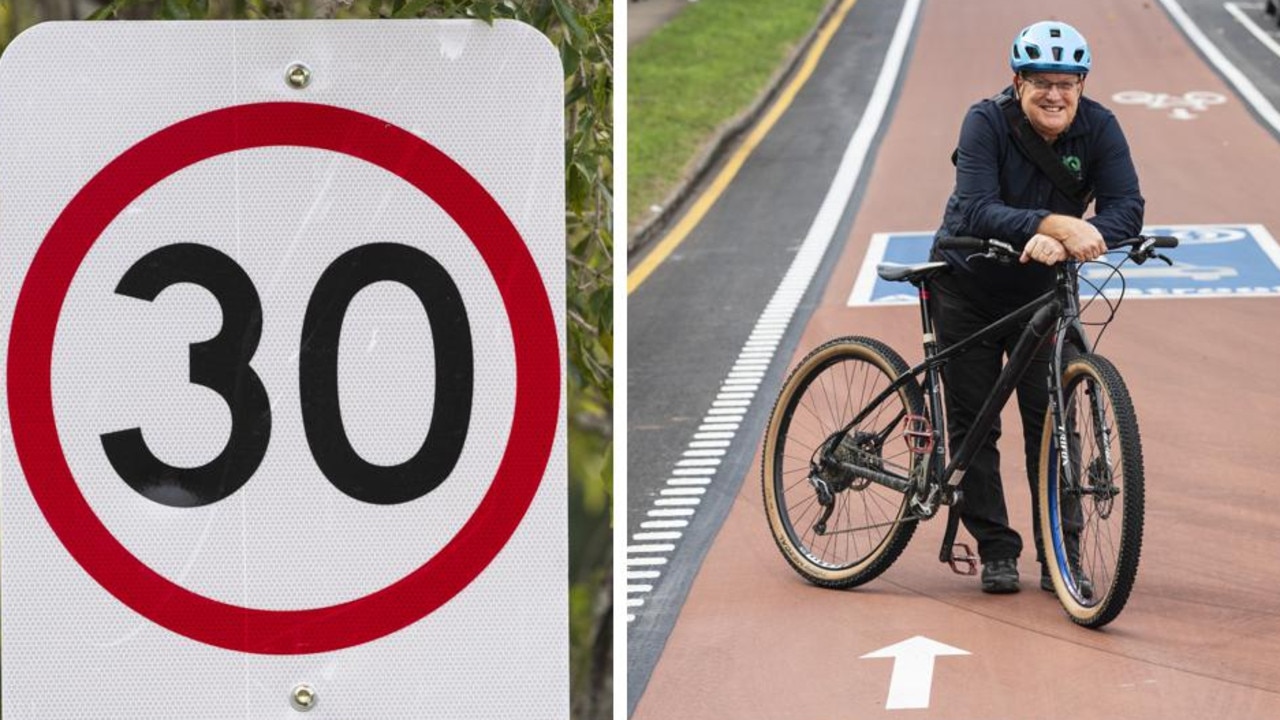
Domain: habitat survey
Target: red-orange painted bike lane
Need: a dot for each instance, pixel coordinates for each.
(1200, 636)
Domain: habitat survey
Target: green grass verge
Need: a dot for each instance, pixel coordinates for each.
(693, 74)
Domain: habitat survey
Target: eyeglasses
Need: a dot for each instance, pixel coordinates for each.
(1066, 87)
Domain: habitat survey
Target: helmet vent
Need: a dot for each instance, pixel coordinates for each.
(1033, 52)
(1055, 32)
(1079, 55)
(1057, 54)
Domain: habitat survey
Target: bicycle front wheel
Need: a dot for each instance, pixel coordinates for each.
(1091, 492)
(837, 528)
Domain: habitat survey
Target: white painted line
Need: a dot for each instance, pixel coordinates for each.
(726, 413)
(670, 535)
(1266, 242)
(634, 602)
(1242, 83)
(677, 501)
(866, 282)
(698, 462)
(704, 436)
(660, 524)
(693, 471)
(684, 491)
(704, 444)
(642, 574)
(639, 589)
(656, 548)
(635, 562)
(1237, 12)
(713, 453)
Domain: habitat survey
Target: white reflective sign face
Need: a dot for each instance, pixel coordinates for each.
(284, 371)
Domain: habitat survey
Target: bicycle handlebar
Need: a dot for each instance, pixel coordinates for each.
(1142, 245)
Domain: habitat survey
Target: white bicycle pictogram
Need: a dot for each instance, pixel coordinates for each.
(1180, 107)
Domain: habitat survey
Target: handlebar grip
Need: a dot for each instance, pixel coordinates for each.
(1164, 241)
(965, 244)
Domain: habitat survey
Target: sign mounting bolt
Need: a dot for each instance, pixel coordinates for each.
(303, 698)
(298, 76)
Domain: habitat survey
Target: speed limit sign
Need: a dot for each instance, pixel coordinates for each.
(284, 424)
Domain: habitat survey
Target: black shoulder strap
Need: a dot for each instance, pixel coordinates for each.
(1035, 148)
(1042, 155)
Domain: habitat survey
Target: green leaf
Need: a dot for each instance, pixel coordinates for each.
(570, 18)
(570, 59)
(108, 10)
(174, 10)
(483, 9)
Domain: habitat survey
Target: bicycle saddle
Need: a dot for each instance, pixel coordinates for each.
(896, 272)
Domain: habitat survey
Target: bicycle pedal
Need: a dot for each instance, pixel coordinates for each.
(918, 432)
(963, 563)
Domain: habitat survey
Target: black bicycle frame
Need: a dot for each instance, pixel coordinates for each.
(1045, 312)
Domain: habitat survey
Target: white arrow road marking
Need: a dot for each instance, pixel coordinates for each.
(912, 677)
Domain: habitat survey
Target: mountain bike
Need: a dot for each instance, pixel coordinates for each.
(855, 453)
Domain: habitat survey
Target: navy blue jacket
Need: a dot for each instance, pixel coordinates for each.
(1000, 193)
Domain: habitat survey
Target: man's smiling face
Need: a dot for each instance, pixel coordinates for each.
(1049, 100)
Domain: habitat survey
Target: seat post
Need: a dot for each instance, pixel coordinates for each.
(926, 319)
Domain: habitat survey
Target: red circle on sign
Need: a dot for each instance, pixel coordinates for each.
(384, 611)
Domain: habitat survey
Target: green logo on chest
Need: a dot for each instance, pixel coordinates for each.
(1073, 163)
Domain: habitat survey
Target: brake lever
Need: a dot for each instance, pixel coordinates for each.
(1166, 260)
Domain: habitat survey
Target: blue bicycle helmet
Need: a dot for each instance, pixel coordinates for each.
(1050, 46)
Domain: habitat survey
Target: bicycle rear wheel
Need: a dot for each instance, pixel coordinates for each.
(1091, 516)
(835, 529)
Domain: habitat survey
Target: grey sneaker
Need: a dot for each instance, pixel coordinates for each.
(1000, 577)
(1084, 584)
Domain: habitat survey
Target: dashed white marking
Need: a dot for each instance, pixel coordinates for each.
(1237, 12)
(669, 535)
(740, 387)
(633, 562)
(655, 548)
(658, 524)
(670, 512)
(1243, 85)
(713, 435)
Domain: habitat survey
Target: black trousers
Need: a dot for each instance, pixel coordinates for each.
(960, 309)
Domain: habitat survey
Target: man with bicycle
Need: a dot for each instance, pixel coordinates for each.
(1029, 162)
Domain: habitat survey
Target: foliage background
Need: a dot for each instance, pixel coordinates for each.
(583, 32)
